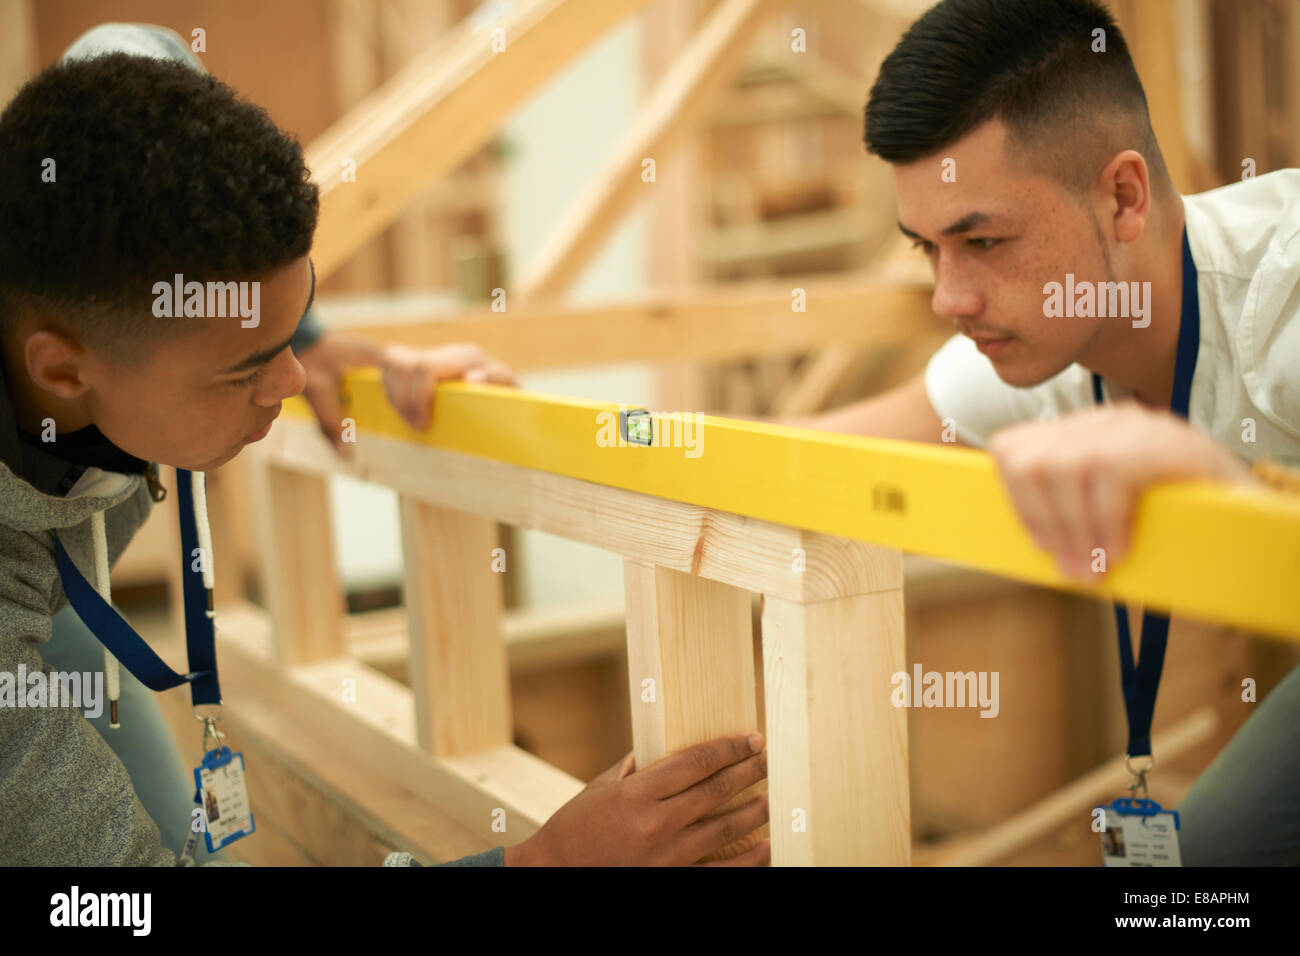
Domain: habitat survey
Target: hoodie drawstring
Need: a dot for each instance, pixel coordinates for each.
(99, 579)
(99, 547)
(200, 494)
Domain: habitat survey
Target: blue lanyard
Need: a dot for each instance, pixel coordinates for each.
(1140, 683)
(122, 640)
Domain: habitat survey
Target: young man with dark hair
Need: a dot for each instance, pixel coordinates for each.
(124, 178)
(1113, 333)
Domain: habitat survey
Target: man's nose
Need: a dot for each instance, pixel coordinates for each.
(297, 376)
(287, 379)
(954, 298)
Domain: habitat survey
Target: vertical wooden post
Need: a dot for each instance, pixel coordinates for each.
(459, 673)
(227, 487)
(690, 667)
(667, 27)
(837, 748)
(1149, 30)
(300, 580)
(17, 45)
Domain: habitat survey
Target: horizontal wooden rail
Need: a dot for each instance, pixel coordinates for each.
(704, 324)
(374, 728)
(1226, 554)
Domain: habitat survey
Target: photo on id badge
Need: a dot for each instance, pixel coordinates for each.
(225, 799)
(1139, 833)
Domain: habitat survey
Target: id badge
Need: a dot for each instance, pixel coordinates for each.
(223, 798)
(1140, 833)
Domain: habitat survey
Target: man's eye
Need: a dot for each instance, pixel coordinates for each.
(247, 380)
(984, 245)
(924, 245)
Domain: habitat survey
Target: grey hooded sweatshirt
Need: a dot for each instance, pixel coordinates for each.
(65, 797)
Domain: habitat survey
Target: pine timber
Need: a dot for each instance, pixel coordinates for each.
(675, 106)
(690, 669)
(458, 654)
(438, 111)
(715, 322)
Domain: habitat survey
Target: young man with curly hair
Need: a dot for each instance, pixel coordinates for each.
(119, 172)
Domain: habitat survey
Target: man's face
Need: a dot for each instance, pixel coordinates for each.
(198, 398)
(994, 237)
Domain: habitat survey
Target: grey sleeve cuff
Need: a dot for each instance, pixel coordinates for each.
(493, 857)
(309, 330)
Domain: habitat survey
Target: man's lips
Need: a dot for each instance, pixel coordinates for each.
(985, 336)
(261, 432)
(990, 344)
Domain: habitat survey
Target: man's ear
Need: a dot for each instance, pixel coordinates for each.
(1126, 193)
(56, 363)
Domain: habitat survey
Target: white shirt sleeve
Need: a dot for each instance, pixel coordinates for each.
(963, 386)
(1268, 336)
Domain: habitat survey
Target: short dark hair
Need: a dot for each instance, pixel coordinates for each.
(158, 169)
(1029, 63)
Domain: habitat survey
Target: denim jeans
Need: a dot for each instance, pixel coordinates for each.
(1244, 810)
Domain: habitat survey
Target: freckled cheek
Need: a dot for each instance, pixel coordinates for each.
(1028, 282)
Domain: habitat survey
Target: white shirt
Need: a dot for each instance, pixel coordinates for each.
(1245, 241)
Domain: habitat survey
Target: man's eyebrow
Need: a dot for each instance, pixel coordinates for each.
(258, 358)
(965, 224)
(264, 356)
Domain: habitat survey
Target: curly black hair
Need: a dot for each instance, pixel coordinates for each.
(156, 169)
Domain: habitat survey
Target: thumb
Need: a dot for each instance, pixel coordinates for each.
(619, 770)
(626, 766)
(329, 415)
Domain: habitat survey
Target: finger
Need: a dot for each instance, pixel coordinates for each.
(626, 767)
(423, 382)
(498, 373)
(1115, 503)
(325, 403)
(691, 805)
(455, 361)
(1067, 499)
(1024, 483)
(710, 835)
(397, 380)
(1099, 525)
(760, 854)
(675, 772)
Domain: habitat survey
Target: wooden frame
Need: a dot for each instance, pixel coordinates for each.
(832, 637)
(688, 633)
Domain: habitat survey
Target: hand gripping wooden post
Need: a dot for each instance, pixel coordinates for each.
(832, 639)
(690, 668)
